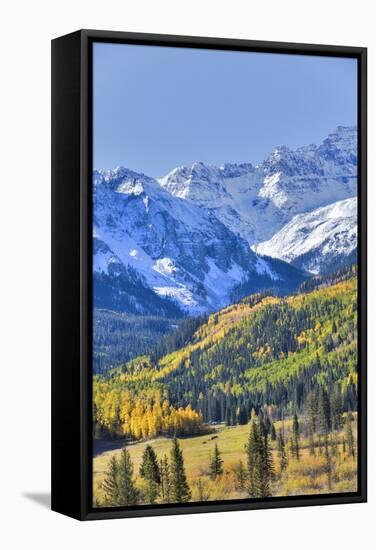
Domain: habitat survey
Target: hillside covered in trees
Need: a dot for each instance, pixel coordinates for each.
(118, 337)
(264, 363)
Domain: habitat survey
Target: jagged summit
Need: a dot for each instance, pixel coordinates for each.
(188, 237)
(256, 202)
(319, 241)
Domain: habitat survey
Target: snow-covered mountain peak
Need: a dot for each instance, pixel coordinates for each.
(146, 237)
(182, 180)
(257, 202)
(196, 182)
(340, 147)
(125, 181)
(318, 241)
(288, 162)
(184, 242)
(279, 152)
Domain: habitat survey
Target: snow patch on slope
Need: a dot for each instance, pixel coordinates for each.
(324, 234)
(263, 268)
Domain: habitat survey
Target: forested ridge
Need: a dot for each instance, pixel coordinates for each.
(263, 351)
(119, 337)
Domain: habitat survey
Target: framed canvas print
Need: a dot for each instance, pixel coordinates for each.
(209, 274)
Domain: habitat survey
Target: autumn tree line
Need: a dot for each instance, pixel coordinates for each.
(285, 351)
(119, 413)
(165, 481)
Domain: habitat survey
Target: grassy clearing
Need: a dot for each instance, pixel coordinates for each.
(306, 476)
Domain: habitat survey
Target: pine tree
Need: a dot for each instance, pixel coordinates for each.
(216, 464)
(180, 491)
(110, 486)
(164, 469)
(311, 421)
(295, 437)
(128, 493)
(149, 468)
(149, 471)
(324, 423)
(282, 452)
(267, 468)
(254, 459)
(259, 461)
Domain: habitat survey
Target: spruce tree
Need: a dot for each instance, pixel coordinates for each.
(295, 437)
(254, 459)
(149, 468)
(128, 493)
(267, 468)
(259, 461)
(282, 452)
(110, 486)
(324, 420)
(180, 491)
(311, 421)
(216, 464)
(149, 471)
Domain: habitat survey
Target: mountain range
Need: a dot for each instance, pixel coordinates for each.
(202, 236)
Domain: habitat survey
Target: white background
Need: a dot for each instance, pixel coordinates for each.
(27, 27)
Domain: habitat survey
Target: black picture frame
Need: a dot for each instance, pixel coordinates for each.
(72, 261)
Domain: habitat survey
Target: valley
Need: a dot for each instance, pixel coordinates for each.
(282, 367)
(313, 473)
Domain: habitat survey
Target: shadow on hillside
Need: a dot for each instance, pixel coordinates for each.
(102, 445)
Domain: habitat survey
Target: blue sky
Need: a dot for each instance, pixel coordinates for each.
(156, 108)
